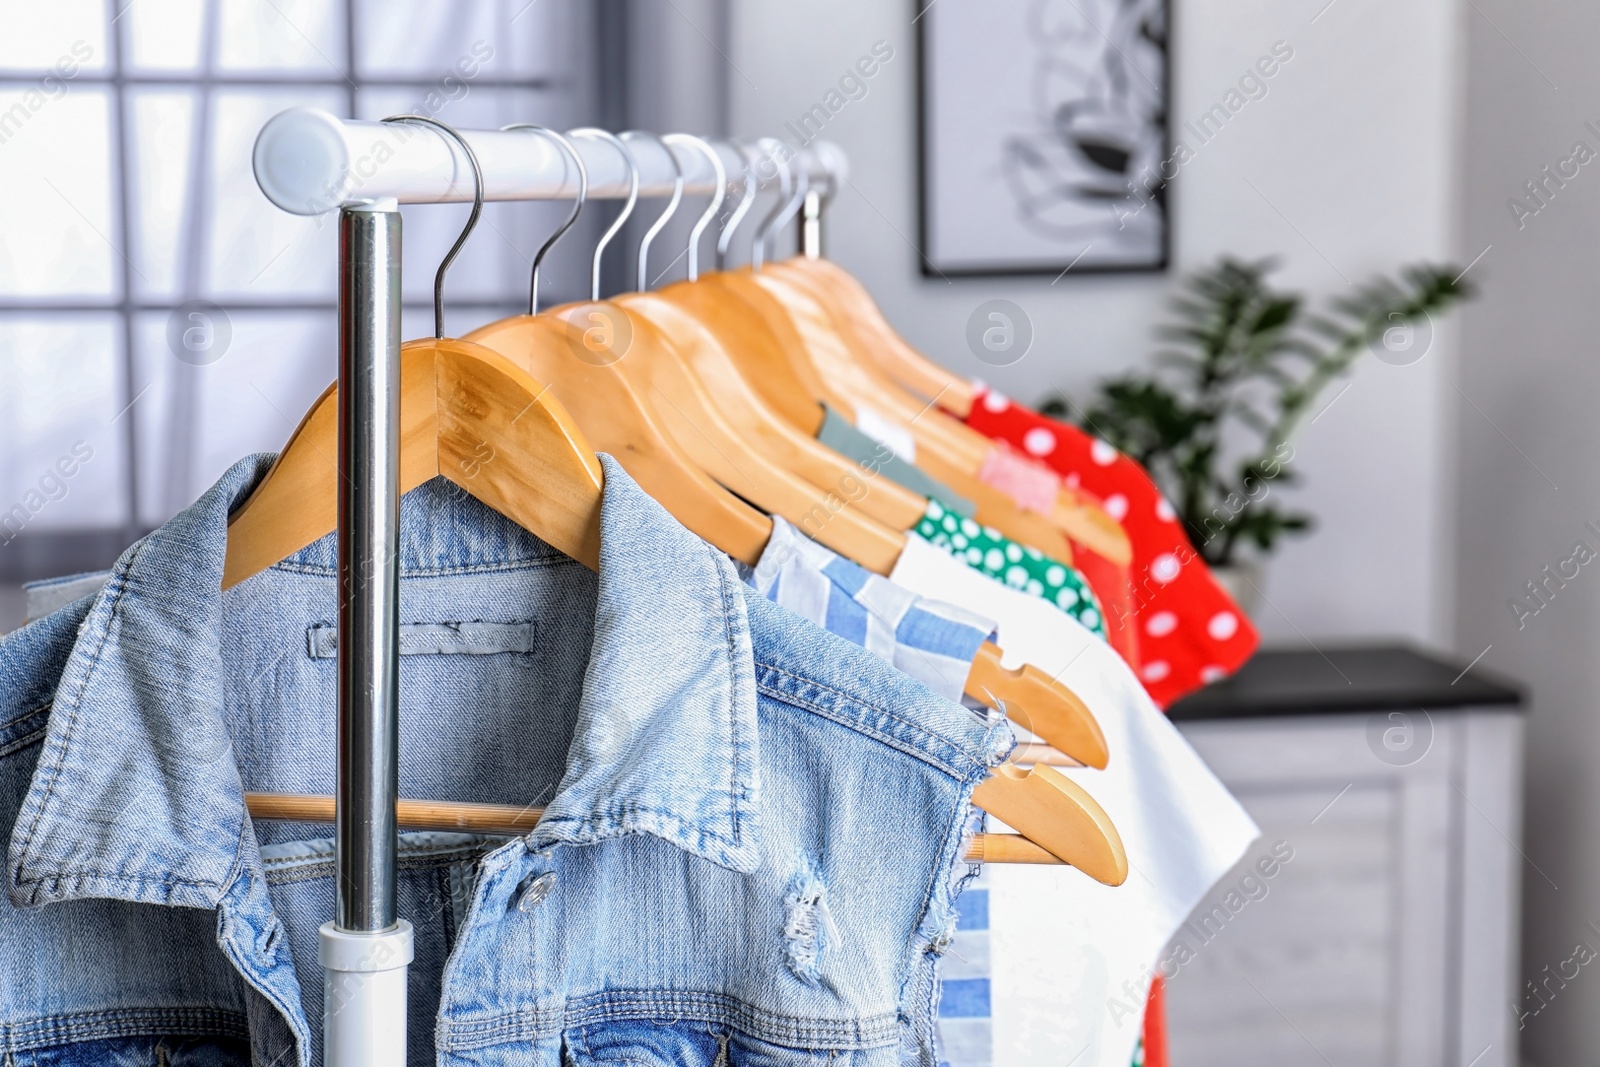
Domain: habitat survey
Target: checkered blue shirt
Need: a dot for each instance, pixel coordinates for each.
(930, 640)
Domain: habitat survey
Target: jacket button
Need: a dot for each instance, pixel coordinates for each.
(533, 889)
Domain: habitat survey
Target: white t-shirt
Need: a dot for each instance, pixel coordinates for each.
(1066, 948)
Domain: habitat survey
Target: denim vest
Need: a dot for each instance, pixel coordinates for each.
(750, 852)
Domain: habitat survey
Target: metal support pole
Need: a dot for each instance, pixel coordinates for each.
(369, 568)
(811, 225)
(366, 950)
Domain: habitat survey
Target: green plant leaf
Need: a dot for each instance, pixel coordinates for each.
(1239, 366)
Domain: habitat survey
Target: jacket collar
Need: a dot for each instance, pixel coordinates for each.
(137, 796)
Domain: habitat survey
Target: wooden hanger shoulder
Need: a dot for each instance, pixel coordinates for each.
(544, 476)
(897, 358)
(573, 349)
(703, 352)
(958, 451)
(819, 344)
(454, 398)
(759, 338)
(1056, 813)
(849, 370)
(1039, 704)
(659, 375)
(791, 359)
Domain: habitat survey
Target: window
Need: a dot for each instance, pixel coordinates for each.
(159, 318)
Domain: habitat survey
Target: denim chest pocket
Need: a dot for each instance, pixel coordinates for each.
(691, 1044)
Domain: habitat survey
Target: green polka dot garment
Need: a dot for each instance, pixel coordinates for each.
(983, 548)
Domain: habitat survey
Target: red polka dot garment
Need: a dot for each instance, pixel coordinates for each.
(1190, 631)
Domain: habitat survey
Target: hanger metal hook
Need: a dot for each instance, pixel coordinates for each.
(718, 196)
(671, 209)
(785, 185)
(786, 211)
(577, 208)
(747, 197)
(595, 133)
(472, 220)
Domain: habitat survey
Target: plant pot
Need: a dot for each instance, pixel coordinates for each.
(1242, 580)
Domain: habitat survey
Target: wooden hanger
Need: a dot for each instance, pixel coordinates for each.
(647, 360)
(788, 338)
(1040, 704)
(696, 331)
(653, 375)
(1087, 835)
(776, 357)
(852, 382)
(760, 339)
(466, 414)
(623, 423)
(1085, 521)
(755, 338)
(707, 387)
(902, 362)
(955, 455)
(579, 354)
(1032, 798)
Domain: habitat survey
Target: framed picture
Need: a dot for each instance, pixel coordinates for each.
(1043, 136)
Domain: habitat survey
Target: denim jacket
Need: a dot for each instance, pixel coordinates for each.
(750, 852)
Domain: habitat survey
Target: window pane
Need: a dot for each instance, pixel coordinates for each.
(427, 40)
(163, 34)
(548, 40)
(255, 250)
(58, 236)
(159, 165)
(197, 419)
(300, 35)
(59, 384)
(498, 39)
(37, 35)
(198, 226)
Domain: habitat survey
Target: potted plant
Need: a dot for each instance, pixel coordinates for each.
(1242, 365)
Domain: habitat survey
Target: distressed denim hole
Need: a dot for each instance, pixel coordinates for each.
(807, 925)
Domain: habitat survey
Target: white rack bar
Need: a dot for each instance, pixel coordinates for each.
(308, 162)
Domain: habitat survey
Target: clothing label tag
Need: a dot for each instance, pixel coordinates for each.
(1031, 485)
(880, 428)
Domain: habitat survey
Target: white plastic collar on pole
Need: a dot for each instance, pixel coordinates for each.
(308, 162)
(364, 995)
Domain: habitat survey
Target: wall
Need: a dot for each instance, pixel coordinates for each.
(1528, 438)
(1344, 169)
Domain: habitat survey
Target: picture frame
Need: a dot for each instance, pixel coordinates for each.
(1043, 137)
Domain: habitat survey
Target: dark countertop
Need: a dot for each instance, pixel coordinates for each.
(1361, 678)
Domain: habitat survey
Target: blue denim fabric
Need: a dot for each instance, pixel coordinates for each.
(752, 825)
(934, 643)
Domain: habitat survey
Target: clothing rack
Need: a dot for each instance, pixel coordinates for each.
(309, 162)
